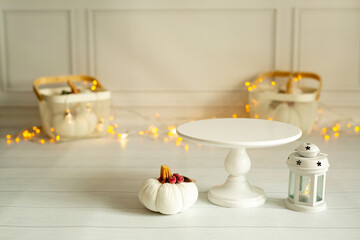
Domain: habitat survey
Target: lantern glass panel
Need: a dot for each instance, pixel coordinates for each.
(305, 189)
(292, 185)
(320, 187)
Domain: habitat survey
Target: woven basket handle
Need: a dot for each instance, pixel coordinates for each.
(291, 75)
(61, 79)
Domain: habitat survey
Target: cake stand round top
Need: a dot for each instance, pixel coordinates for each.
(239, 132)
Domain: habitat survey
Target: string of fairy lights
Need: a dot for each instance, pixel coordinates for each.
(168, 134)
(157, 130)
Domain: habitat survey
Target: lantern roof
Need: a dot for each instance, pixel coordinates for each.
(308, 150)
(319, 163)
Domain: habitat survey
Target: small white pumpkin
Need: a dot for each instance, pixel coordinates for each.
(81, 125)
(167, 198)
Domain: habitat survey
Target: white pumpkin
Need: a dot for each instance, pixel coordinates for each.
(167, 198)
(302, 115)
(81, 125)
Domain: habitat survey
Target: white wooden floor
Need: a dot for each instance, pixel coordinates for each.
(88, 190)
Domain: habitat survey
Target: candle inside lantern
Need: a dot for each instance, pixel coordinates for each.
(305, 195)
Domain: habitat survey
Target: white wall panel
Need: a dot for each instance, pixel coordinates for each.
(37, 44)
(329, 44)
(179, 53)
(182, 49)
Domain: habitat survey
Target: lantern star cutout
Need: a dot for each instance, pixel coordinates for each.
(307, 147)
(319, 164)
(298, 162)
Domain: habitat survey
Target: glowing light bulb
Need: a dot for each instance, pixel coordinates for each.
(247, 108)
(8, 136)
(256, 116)
(153, 129)
(270, 119)
(57, 138)
(273, 83)
(247, 84)
(356, 129)
(348, 125)
(25, 133)
(8, 141)
(119, 135)
(336, 135)
(234, 115)
(253, 86)
(42, 141)
(141, 133)
(93, 88)
(124, 135)
(52, 140)
(95, 82)
(52, 129)
(37, 131)
(335, 129)
(110, 129)
(34, 128)
(260, 79)
(250, 89)
(296, 79)
(186, 147)
(326, 137)
(17, 140)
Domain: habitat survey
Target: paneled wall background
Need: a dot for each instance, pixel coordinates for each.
(184, 53)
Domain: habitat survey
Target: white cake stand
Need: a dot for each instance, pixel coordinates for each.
(238, 134)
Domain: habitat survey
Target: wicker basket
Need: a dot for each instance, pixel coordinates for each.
(72, 107)
(295, 105)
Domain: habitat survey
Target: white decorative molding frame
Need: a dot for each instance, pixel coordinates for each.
(278, 27)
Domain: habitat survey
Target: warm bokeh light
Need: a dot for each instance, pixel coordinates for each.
(247, 84)
(186, 147)
(327, 137)
(356, 129)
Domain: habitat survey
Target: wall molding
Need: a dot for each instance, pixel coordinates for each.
(91, 12)
(285, 55)
(298, 11)
(4, 44)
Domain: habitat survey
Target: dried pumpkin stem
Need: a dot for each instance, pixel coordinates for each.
(165, 173)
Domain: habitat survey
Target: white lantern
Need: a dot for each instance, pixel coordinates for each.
(308, 169)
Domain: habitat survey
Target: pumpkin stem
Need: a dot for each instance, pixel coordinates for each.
(165, 173)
